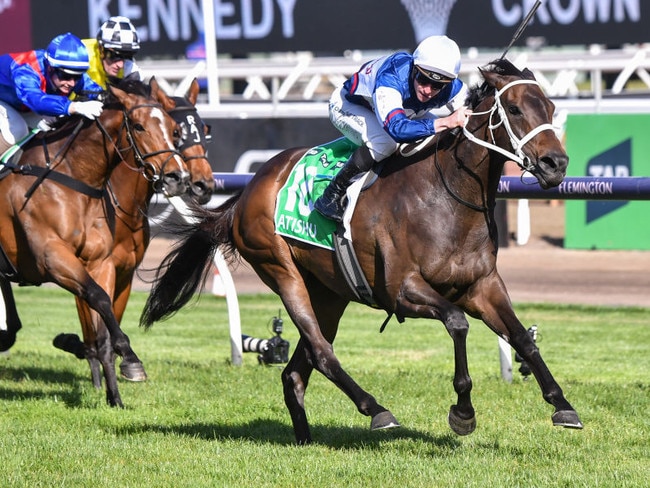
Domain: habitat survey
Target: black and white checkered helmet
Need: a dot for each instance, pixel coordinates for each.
(119, 34)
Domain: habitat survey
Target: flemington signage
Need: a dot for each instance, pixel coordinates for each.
(605, 146)
(168, 27)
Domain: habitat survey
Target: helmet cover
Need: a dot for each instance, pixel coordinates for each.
(119, 34)
(68, 53)
(438, 57)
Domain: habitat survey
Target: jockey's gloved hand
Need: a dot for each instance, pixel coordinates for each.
(90, 109)
(44, 125)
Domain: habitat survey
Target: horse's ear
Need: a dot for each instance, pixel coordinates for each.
(490, 77)
(121, 95)
(193, 92)
(158, 94)
(528, 74)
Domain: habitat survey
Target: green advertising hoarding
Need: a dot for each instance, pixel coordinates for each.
(608, 145)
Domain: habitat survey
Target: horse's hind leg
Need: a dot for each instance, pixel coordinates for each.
(328, 308)
(304, 307)
(295, 379)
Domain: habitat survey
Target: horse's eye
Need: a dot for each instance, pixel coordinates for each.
(514, 110)
(138, 127)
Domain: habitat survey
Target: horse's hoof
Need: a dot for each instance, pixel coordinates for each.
(567, 418)
(70, 343)
(460, 425)
(384, 420)
(133, 372)
(7, 339)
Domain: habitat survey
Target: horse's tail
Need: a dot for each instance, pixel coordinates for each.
(185, 269)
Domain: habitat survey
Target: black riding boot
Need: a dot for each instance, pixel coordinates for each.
(330, 204)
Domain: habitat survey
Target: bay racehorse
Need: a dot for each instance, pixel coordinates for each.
(130, 196)
(195, 134)
(56, 225)
(425, 237)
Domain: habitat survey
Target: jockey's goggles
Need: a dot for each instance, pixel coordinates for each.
(429, 78)
(113, 55)
(67, 75)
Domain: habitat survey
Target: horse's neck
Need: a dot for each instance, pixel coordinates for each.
(131, 189)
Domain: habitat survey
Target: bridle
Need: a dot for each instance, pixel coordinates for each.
(517, 144)
(148, 169)
(497, 108)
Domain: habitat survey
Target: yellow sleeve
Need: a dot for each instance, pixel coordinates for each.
(96, 70)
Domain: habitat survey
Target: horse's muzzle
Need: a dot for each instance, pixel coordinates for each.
(175, 183)
(550, 169)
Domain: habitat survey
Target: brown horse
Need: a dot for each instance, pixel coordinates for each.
(424, 235)
(130, 197)
(56, 227)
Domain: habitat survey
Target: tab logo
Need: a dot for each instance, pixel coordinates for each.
(615, 162)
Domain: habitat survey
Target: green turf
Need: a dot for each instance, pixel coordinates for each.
(198, 421)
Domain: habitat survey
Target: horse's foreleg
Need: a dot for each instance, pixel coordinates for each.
(10, 327)
(564, 414)
(90, 341)
(132, 371)
(99, 300)
(495, 309)
(99, 351)
(418, 299)
(108, 343)
(462, 419)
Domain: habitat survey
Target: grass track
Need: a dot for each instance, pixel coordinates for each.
(200, 422)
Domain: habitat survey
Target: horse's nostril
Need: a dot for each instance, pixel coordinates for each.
(556, 161)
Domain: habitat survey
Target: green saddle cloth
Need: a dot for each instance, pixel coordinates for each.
(294, 210)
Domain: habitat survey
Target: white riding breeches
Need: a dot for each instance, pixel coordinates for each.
(360, 125)
(14, 125)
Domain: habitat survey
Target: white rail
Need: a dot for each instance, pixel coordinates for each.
(299, 84)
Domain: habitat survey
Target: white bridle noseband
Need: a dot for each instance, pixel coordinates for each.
(517, 144)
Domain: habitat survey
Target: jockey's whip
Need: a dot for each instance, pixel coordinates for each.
(522, 26)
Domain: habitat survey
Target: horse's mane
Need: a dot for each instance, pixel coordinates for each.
(129, 85)
(503, 67)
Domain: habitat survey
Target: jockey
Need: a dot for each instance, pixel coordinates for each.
(112, 51)
(390, 100)
(38, 83)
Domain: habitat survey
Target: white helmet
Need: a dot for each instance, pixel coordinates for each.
(118, 33)
(438, 57)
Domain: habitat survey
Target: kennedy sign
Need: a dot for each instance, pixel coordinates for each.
(171, 27)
